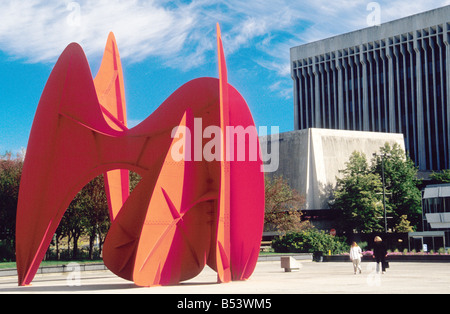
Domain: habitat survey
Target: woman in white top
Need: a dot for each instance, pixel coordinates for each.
(355, 256)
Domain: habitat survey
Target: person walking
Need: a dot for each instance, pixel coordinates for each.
(355, 256)
(380, 254)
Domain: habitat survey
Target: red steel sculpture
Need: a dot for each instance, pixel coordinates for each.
(184, 214)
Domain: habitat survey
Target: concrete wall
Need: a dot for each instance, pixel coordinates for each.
(311, 159)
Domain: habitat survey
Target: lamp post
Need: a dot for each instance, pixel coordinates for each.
(383, 155)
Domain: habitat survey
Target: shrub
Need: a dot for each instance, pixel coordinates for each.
(7, 253)
(309, 241)
(363, 245)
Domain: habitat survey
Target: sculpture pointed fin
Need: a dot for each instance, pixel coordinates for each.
(223, 221)
(109, 85)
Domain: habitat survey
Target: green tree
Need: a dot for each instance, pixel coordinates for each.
(86, 215)
(404, 225)
(10, 174)
(358, 196)
(72, 223)
(95, 212)
(282, 206)
(442, 176)
(403, 195)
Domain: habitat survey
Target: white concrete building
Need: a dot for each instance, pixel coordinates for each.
(311, 159)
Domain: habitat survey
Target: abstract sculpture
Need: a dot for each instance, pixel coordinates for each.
(184, 214)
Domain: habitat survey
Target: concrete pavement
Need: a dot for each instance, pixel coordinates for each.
(268, 278)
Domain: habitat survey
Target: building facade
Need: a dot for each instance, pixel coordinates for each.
(310, 160)
(392, 78)
(436, 212)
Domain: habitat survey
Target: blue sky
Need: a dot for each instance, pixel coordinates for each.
(165, 44)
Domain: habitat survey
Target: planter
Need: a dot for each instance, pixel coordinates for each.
(318, 256)
(336, 258)
(419, 258)
(393, 258)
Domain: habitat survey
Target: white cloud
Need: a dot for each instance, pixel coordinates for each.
(182, 33)
(402, 8)
(39, 30)
(336, 17)
(282, 88)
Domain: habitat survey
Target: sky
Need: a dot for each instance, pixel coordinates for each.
(166, 44)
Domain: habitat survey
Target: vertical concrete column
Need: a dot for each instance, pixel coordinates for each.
(296, 102)
(358, 93)
(345, 88)
(340, 105)
(433, 107)
(323, 103)
(333, 71)
(419, 104)
(412, 93)
(397, 83)
(305, 96)
(372, 89)
(405, 96)
(391, 103)
(301, 104)
(446, 31)
(330, 95)
(365, 90)
(377, 91)
(426, 103)
(384, 91)
(312, 104)
(317, 92)
(296, 88)
(351, 87)
(442, 133)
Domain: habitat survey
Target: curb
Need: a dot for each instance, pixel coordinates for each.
(393, 258)
(100, 266)
(57, 269)
(277, 257)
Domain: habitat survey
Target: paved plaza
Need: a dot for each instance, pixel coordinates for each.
(268, 278)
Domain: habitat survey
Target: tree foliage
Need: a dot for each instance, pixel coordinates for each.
(358, 196)
(404, 225)
(10, 173)
(442, 176)
(359, 192)
(310, 241)
(404, 196)
(87, 215)
(282, 206)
